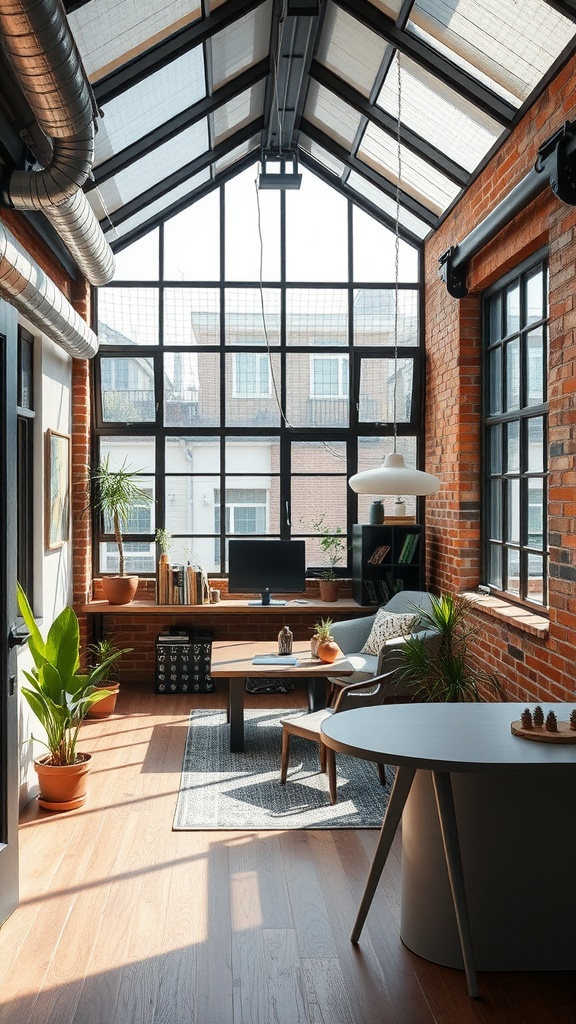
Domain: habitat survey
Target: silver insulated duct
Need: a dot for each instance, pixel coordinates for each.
(37, 40)
(25, 285)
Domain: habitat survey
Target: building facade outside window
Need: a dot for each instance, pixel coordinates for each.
(515, 330)
(246, 400)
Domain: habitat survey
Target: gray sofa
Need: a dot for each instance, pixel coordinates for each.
(351, 635)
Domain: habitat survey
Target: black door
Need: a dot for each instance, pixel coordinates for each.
(8, 612)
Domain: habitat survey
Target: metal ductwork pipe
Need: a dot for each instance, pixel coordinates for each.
(37, 40)
(25, 285)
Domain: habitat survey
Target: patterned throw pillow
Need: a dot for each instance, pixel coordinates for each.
(386, 626)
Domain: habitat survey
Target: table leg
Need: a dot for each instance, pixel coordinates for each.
(449, 829)
(398, 796)
(317, 693)
(236, 714)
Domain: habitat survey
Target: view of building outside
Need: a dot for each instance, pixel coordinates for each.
(247, 385)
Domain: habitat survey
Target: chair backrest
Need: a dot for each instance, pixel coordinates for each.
(407, 600)
(385, 688)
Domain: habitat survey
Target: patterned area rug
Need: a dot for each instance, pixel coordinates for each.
(221, 790)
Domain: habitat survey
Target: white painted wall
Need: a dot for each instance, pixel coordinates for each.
(52, 569)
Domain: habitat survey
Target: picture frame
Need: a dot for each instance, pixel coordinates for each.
(57, 490)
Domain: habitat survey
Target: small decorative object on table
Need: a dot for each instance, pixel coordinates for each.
(322, 632)
(285, 640)
(533, 726)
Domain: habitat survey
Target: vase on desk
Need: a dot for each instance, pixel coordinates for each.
(285, 638)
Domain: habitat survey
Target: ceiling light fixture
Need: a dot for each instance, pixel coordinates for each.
(279, 171)
(394, 476)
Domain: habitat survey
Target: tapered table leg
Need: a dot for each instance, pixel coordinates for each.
(398, 796)
(449, 829)
(236, 714)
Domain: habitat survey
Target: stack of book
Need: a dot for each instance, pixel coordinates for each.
(181, 584)
(408, 548)
(378, 556)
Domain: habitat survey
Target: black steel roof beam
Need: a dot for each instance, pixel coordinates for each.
(170, 211)
(185, 172)
(359, 200)
(178, 123)
(449, 73)
(158, 56)
(380, 117)
(565, 7)
(389, 188)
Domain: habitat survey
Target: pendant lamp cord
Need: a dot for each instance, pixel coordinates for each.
(397, 240)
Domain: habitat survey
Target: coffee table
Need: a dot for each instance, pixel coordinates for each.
(233, 659)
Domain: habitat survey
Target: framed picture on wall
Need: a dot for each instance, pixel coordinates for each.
(57, 489)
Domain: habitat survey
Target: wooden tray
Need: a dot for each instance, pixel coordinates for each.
(564, 735)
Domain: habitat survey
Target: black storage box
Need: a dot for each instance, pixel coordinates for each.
(183, 662)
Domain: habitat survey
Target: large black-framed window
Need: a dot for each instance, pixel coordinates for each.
(515, 331)
(280, 385)
(25, 457)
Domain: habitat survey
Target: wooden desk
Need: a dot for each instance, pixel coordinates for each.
(488, 833)
(233, 660)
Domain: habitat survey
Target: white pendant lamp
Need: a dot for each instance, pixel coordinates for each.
(394, 476)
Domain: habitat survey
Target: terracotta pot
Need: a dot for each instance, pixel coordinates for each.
(328, 651)
(119, 589)
(62, 787)
(105, 707)
(329, 590)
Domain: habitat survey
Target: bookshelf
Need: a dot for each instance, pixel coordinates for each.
(386, 558)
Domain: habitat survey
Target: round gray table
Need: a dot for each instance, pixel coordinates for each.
(488, 832)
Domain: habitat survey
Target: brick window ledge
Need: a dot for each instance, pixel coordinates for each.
(521, 618)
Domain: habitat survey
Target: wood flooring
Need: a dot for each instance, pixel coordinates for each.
(123, 921)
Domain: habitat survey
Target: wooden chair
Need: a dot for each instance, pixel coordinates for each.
(309, 725)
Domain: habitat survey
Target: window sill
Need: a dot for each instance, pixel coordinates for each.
(520, 618)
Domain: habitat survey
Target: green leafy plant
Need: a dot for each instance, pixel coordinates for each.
(163, 540)
(332, 543)
(448, 675)
(323, 628)
(116, 495)
(106, 651)
(59, 694)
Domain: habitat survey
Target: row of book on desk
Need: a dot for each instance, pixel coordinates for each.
(181, 584)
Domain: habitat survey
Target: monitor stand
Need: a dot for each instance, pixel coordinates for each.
(266, 601)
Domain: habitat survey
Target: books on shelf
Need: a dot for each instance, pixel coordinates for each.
(181, 584)
(408, 549)
(379, 554)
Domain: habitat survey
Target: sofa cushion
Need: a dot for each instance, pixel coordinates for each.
(386, 626)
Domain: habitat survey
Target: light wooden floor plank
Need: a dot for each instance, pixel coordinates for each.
(123, 921)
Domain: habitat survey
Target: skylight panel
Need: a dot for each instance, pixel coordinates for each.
(389, 7)
(387, 204)
(350, 50)
(322, 156)
(232, 116)
(437, 113)
(155, 166)
(237, 154)
(114, 232)
(328, 112)
(108, 33)
(241, 45)
(418, 178)
(150, 103)
(513, 44)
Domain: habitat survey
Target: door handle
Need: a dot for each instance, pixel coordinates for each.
(17, 639)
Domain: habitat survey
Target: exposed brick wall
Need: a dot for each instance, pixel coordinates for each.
(530, 667)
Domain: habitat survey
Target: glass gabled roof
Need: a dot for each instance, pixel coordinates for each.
(382, 98)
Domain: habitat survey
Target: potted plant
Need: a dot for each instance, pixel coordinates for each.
(100, 652)
(60, 696)
(163, 541)
(447, 675)
(116, 495)
(322, 633)
(333, 547)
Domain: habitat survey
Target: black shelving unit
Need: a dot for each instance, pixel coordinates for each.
(379, 573)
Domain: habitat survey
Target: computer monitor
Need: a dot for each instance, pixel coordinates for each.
(266, 566)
